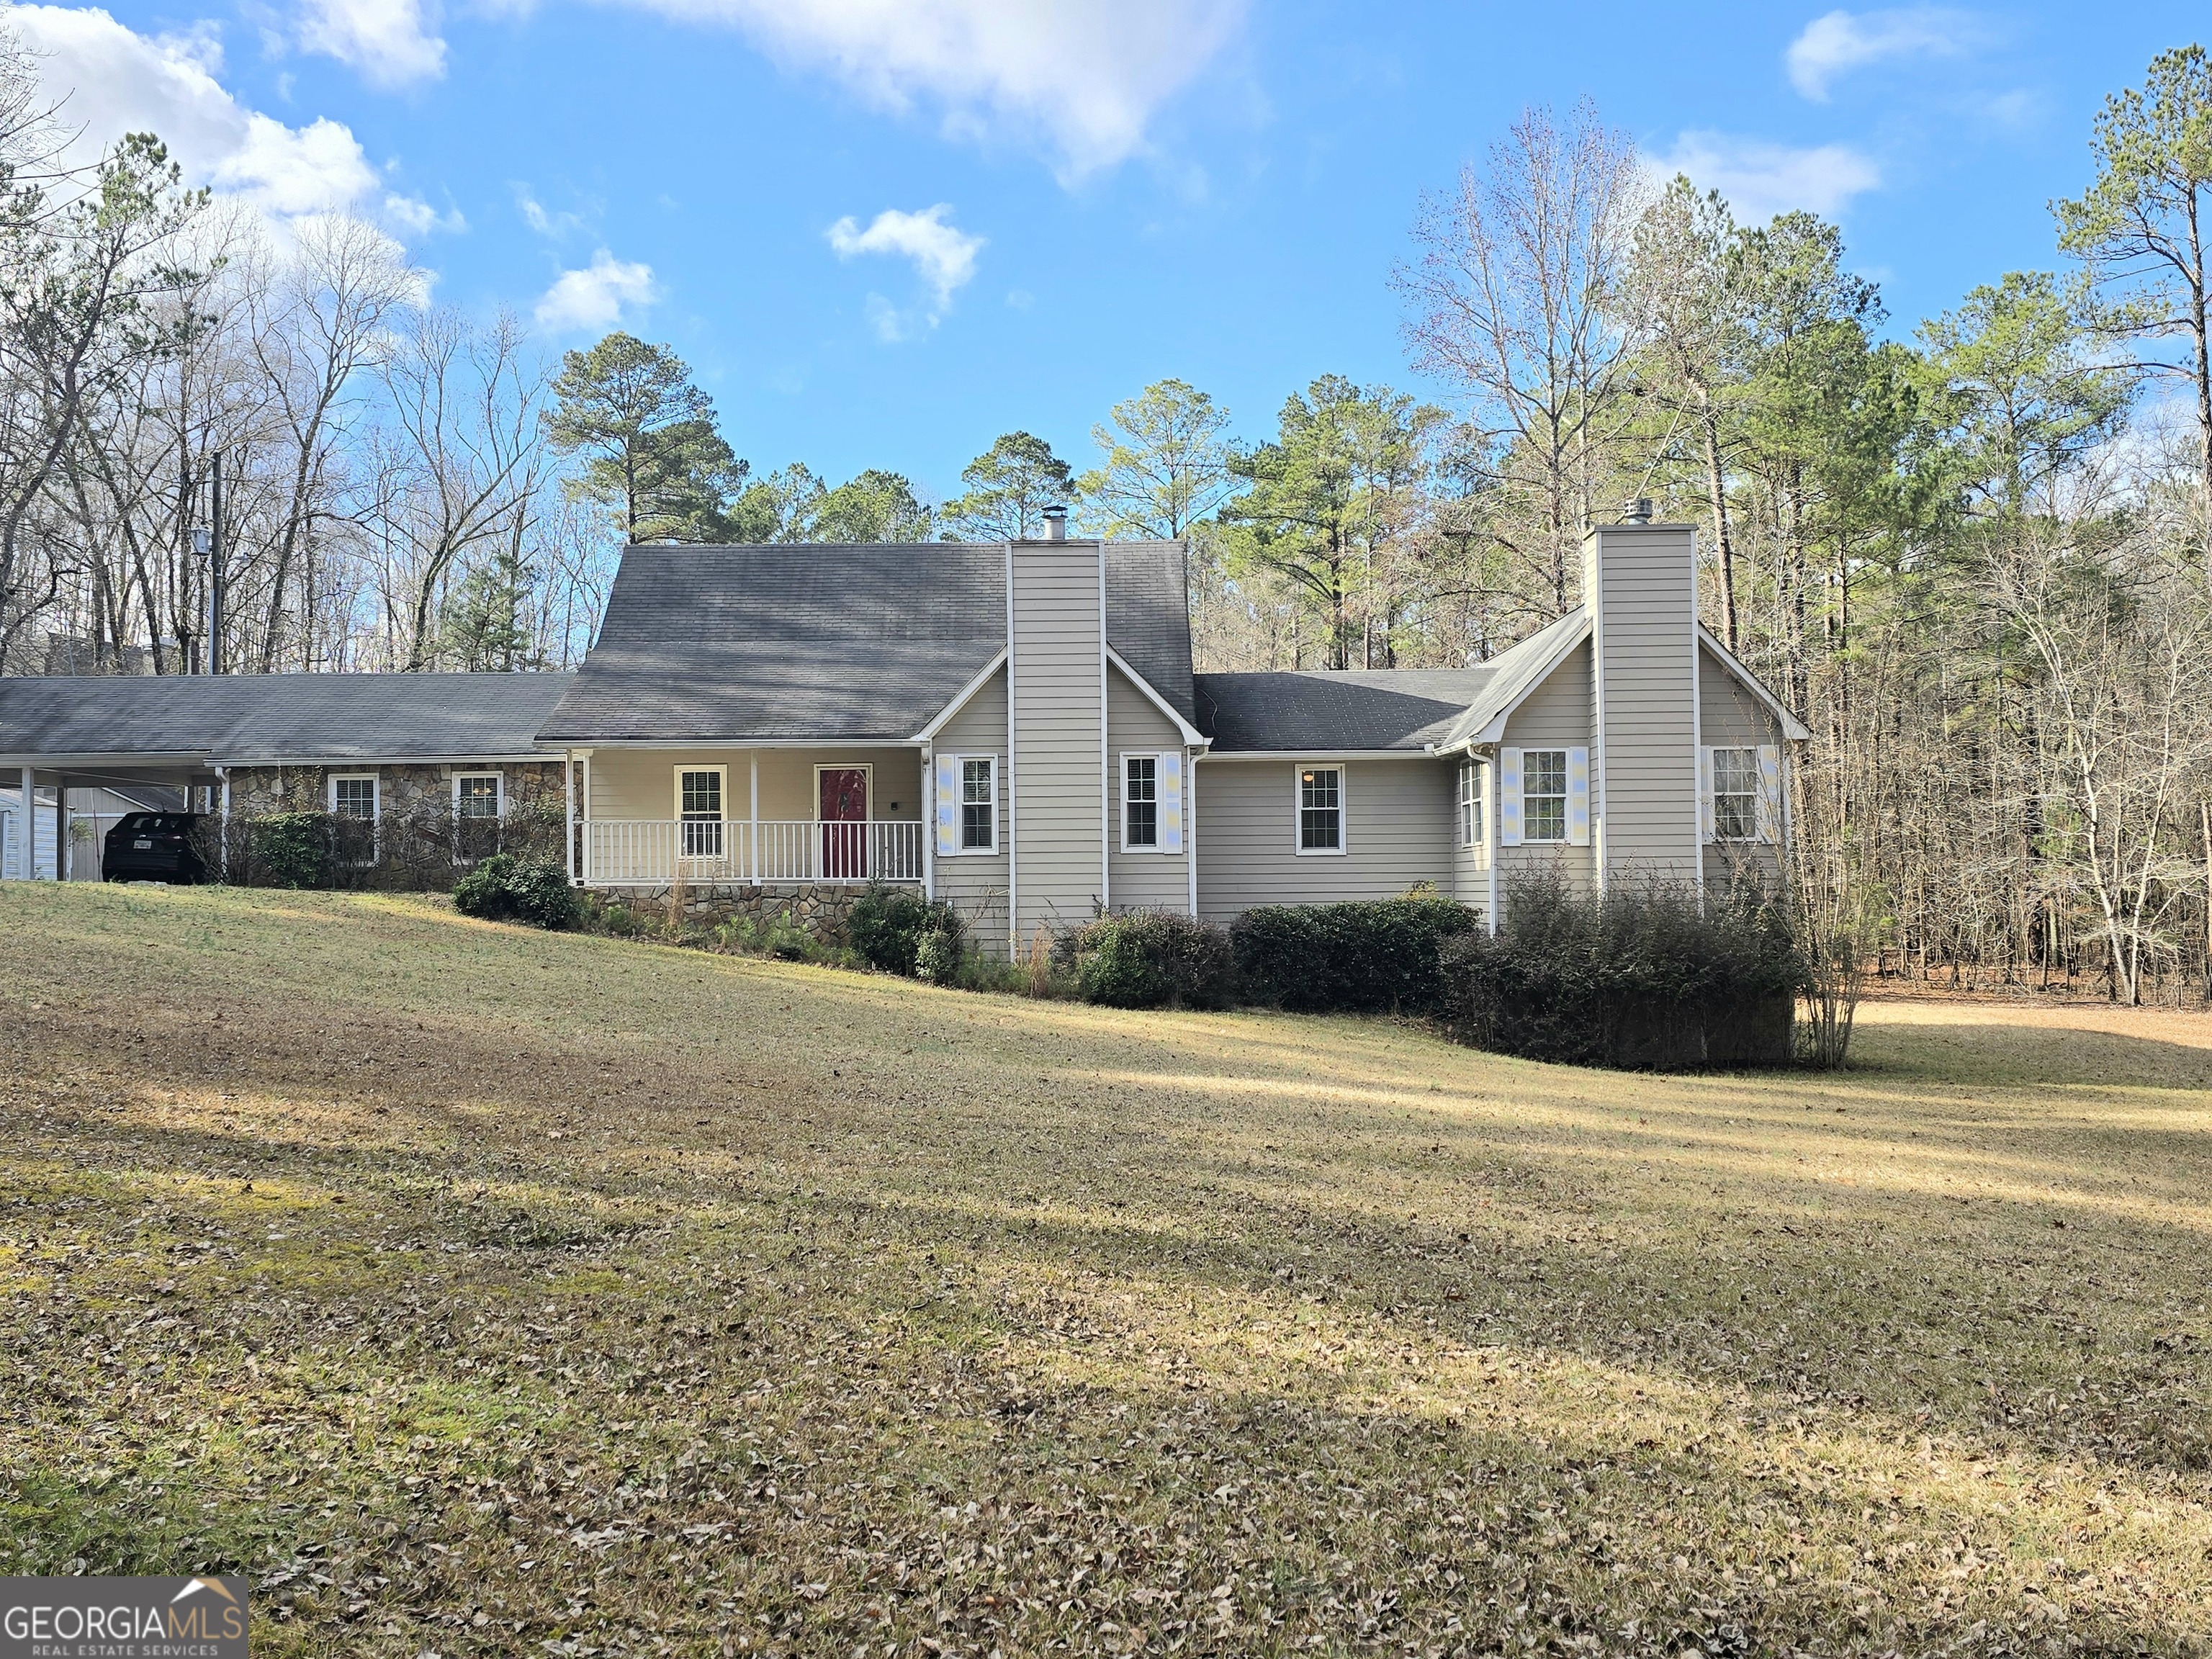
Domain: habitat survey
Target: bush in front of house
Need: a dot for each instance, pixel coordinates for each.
(504, 888)
(1639, 977)
(1150, 959)
(290, 849)
(1366, 957)
(897, 931)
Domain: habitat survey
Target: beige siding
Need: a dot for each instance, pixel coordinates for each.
(1135, 725)
(1644, 623)
(641, 783)
(1398, 817)
(1733, 718)
(1057, 658)
(1470, 882)
(1556, 715)
(974, 884)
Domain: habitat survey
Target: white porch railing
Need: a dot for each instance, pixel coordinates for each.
(648, 851)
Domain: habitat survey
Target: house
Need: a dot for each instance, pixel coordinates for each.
(1015, 728)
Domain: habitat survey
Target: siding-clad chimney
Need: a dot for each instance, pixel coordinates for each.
(1640, 582)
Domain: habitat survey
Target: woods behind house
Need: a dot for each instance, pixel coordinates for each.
(1973, 554)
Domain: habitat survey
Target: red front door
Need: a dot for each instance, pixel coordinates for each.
(844, 822)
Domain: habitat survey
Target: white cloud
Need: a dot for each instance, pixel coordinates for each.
(595, 296)
(1085, 76)
(1760, 180)
(385, 39)
(1832, 45)
(554, 227)
(110, 81)
(943, 254)
(417, 217)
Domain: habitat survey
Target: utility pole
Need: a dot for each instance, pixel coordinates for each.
(214, 568)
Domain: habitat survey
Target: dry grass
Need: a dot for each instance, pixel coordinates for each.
(482, 1292)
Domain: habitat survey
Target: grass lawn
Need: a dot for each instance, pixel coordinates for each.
(482, 1292)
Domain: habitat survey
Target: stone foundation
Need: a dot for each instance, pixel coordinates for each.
(822, 909)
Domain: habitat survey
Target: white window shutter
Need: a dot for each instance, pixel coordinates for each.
(1578, 796)
(1168, 789)
(1770, 795)
(1509, 797)
(1708, 829)
(948, 805)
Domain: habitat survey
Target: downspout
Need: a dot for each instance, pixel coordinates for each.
(1696, 736)
(1490, 842)
(1106, 791)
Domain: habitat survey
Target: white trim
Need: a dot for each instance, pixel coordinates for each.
(1190, 827)
(1343, 809)
(1697, 731)
(929, 786)
(960, 699)
(1191, 735)
(959, 764)
(498, 793)
(1311, 756)
(1153, 756)
(1792, 728)
(331, 780)
(361, 762)
(1565, 798)
(1005, 791)
(1493, 834)
(721, 791)
(568, 815)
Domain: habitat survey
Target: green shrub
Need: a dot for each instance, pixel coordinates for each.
(889, 926)
(292, 849)
(1641, 977)
(504, 888)
(938, 958)
(1377, 955)
(1153, 960)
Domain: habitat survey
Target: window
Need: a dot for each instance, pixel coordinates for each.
(1321, 809)
(1470, 806)
(699, 806)
(979, 805)
(1544, 794)
(1140, 802)
(354, 798)
(476, 796)
(1735, 794)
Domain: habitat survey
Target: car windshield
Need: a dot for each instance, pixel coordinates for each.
(155, 823)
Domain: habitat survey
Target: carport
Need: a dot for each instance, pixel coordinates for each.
(36, 843)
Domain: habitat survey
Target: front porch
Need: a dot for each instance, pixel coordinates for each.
(655, 818)
(743, 852)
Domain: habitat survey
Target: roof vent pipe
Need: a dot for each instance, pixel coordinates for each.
(1056, 524)
(1638, 511)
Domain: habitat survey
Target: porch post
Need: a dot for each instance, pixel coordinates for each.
(222, 824)
(929, 824)
(569, 812)
(752, 766)
(61, 827)
(26, 855)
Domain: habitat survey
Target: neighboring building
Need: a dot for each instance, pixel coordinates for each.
(1015, 727)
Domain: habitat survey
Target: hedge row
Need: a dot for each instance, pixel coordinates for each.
(1647, 978)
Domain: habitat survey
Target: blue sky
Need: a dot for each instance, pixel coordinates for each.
(1130, 189)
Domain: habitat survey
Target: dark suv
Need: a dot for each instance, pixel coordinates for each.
(153, 846)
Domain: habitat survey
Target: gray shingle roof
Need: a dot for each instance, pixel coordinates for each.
(810, 641)
(245, 719)
(1325, 711)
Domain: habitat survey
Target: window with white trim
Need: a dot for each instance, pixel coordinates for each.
(1735, 794)
(1321, 809)
(354, 796)
(698, 808)
(1470, 804)
(1140, 802)
(476, 796)
(1543, 794)
(979, 804)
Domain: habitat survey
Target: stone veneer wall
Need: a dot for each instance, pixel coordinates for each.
(821, 909)
(257, 791)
